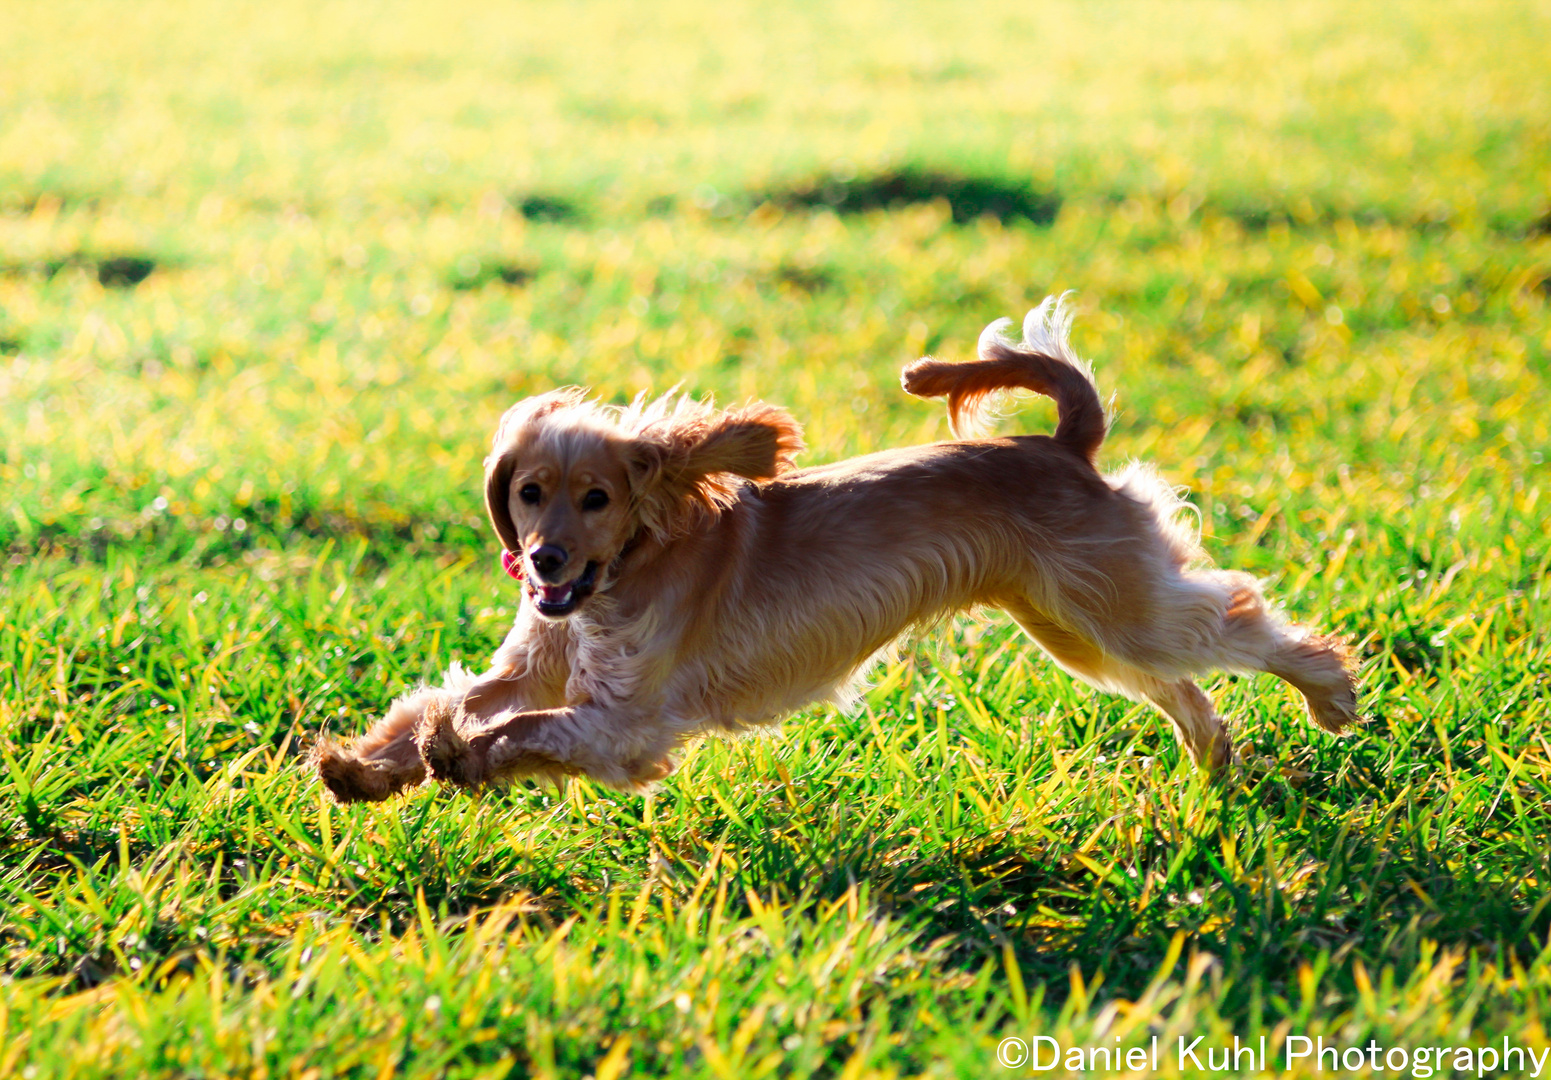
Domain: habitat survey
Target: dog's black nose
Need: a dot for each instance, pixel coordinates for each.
(547, 559)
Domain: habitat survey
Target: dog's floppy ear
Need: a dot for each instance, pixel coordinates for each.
(692, 456)
(757, 442)
(502, 460)
(498, 482)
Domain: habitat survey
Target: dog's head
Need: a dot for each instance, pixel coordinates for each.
(571, 484)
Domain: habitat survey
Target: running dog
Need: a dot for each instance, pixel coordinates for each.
(683, 578)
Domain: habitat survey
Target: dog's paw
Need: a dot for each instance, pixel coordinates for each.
(643, 775)
(1336, 714)
(1222, 759)
(448, 757)
(347, 778)
(1335, 708)
(1328, 682)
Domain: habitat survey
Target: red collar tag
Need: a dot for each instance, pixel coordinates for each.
(512, 564)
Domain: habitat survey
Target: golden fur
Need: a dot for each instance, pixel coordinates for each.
(697, 583)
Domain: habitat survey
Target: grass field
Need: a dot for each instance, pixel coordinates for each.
(268, 274)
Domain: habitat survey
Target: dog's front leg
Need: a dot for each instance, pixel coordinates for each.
(480, 743)
(528, 671)
(385, 760)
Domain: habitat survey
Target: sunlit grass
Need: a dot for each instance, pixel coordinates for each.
(240, 504)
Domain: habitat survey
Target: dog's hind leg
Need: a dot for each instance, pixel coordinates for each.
(1318, 667)
(382, 762)
(1176, 618)
(1202, 620)
(1200, 729)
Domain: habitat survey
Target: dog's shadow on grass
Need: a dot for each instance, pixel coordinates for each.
(1271, 881)
(1268, 879)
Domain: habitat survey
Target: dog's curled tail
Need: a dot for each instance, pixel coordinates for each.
(1042, 362)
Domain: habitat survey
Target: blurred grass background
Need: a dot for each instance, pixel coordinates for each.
(269, 273)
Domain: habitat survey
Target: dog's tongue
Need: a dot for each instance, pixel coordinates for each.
(555, 594)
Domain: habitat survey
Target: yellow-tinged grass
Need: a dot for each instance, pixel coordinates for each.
(239, 502)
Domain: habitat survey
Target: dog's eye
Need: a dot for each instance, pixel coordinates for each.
(596, 499)
(529, 494)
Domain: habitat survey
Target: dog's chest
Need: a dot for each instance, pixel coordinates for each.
(609, 665)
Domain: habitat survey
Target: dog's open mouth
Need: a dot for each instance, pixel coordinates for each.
(557, 601)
